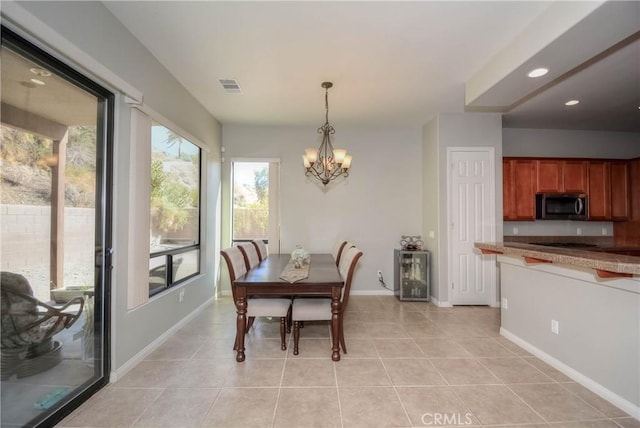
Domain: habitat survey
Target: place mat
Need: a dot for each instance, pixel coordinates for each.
(292, 274)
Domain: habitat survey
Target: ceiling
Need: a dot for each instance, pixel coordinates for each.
(399, 63)
(46, 108)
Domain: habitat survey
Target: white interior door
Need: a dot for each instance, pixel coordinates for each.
(472, 219)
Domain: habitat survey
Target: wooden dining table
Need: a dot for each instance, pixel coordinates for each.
(324, 280)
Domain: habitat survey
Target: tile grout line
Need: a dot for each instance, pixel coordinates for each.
(452, 388)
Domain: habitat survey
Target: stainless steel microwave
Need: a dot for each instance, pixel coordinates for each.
(561, 206)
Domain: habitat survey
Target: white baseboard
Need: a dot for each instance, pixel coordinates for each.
(380, 292)
(583, 380)
(440, 304)
(140, 356)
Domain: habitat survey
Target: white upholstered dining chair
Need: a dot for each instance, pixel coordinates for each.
(256, 307)
(262, 249)
(250, 253)
(337, 250)
(319, 309)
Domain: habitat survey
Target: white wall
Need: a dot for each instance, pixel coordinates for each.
(567, 143)
(90, 27)
(463, 130)
(373, 207)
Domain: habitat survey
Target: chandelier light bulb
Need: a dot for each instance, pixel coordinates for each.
(338, 155)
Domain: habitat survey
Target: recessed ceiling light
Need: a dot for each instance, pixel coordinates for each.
(37, 82)
(571, 102)
(538, 72)
(40, 72)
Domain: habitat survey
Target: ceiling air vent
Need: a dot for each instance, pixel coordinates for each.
(231, 86)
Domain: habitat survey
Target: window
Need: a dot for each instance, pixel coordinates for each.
(250, 201)
(255, 212)
(175, 209)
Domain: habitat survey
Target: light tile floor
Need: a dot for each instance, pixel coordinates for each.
(408, 364)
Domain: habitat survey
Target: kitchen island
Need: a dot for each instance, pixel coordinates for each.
(578, 310)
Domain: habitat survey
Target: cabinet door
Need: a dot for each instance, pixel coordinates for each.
(548, 175)
(524, 180)
(620, 204)
(599, 190)
(574, 176)
(508, 201)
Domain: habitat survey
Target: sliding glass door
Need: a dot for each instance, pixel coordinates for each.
(55, 204)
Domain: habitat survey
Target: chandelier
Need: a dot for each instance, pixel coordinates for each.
(325, 163)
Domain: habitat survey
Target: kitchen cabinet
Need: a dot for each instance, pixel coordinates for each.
(575, 176)
(599, 190)
(548, 176)
(609, 190)
(607, 183)
(519, 188)
(620, 201)
(556, 175)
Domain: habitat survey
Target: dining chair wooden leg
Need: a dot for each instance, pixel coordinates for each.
(283, 328)
(341, 333)
(296, 336)
(250, 323)
(235, 343)
(289, 321)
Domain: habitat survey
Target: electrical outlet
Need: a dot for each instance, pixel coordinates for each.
(515, 230)
(181, 295)
(555, 327)
(579, 231)
(505, 303)
(379, 274)
(432, 234)
(604, 231)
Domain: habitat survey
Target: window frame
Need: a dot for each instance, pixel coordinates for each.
(273, 237)
(33, 50)
(168, 254)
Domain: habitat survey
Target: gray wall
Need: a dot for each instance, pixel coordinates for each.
(455, 130)
(93, 29)
(378, 203)
(567, 143)
(430, 184)
(599, 325)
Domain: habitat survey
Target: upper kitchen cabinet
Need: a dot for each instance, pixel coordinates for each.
(609, 190)
(599, 190)
(555, 175)
(519, 188)
(620, 201)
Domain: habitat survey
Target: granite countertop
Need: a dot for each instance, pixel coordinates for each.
(607, 264)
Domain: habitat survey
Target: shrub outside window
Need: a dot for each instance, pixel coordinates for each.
(175, 209)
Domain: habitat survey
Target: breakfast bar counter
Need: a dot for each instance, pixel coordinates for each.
(604, 261)
(576, 309)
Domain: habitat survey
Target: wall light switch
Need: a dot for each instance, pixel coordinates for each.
(505, 303)
(432, 234)
(555, 327)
